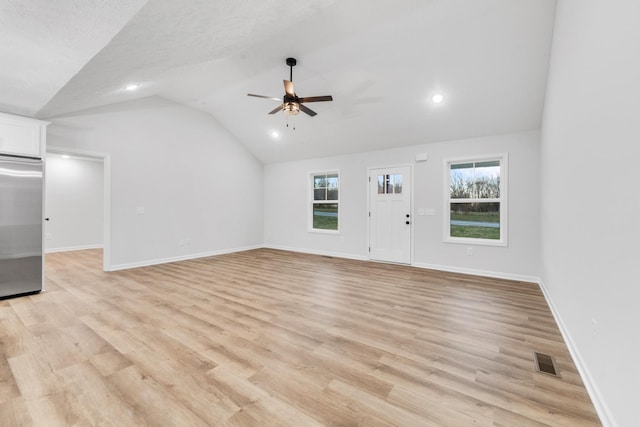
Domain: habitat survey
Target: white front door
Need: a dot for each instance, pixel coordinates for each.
(390, 214)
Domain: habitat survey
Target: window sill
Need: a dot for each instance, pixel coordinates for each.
(478, 242)
(321, 231)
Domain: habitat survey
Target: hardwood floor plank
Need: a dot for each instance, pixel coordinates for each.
(381, 408)
(453, 409)
(56, 409)
(15, 412)
(34, 379)
(267, 337)
(99, 401)
(8, 388)
(151, 400)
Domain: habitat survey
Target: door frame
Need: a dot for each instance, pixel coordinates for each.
(411, 239)
(106, 159)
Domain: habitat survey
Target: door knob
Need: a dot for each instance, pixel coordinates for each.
(406, 222)
(407, 215)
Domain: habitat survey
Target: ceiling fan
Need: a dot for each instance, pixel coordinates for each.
(291, 103)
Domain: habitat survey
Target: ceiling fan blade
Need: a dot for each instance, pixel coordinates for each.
(275, 110)
(288, 88)
(267, 97)
(316, 98)
(307, 110)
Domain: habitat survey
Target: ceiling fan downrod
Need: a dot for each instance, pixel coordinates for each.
(291, 62)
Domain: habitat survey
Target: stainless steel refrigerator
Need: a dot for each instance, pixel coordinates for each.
(21, 216)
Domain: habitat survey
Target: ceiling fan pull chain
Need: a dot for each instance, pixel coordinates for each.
(293, 122)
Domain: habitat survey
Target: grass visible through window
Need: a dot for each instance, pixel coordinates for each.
(325, 216)
(476, 225)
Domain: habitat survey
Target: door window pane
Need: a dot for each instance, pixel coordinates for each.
(397, 184)
(389, 184)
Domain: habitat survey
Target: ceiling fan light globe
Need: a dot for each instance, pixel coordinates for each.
(291, 108)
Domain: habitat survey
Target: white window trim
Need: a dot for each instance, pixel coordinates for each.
(311, 201)
(504, 200)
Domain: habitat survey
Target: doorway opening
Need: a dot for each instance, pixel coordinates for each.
(105, 160)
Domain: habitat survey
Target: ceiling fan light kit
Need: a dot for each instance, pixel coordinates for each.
(292, 109)
(292, 103)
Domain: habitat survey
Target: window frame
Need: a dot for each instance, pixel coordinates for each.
(312, 201)
(503, 200)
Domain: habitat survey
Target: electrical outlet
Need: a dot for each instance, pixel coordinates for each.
(594, 327)
(469, 251)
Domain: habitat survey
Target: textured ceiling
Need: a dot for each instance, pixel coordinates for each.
(380, 60)
(44, 43)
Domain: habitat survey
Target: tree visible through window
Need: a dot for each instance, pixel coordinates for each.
(325, 203)
(476, 200)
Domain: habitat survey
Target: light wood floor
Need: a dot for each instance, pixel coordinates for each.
(270, 338)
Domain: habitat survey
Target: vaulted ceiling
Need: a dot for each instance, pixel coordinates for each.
(380, 60)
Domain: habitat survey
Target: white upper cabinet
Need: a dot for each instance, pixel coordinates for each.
(22, 136)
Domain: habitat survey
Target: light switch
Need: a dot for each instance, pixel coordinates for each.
(422, 211)
(430, 212)
(139, 210)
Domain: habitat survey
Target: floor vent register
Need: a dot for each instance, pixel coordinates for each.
(545, 364)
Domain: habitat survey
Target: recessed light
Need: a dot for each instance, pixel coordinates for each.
(275, 134)
(65, 156)
(437, 98)
(131, 87)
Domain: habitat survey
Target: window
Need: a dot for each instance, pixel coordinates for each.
(476, 210)
(390, 184)
(325, 202)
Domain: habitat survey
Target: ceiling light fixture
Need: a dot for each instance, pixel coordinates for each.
(275, 134)
(437, 98)
(131, 87)
(292, 108)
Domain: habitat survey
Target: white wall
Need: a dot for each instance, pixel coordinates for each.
(286, 204)
(74, 203)
(591, 197)
(200, 190)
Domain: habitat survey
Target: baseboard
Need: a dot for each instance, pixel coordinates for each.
(72, 248)
(148, 263)
(606, 418)
(483, 273)
(315, 252)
